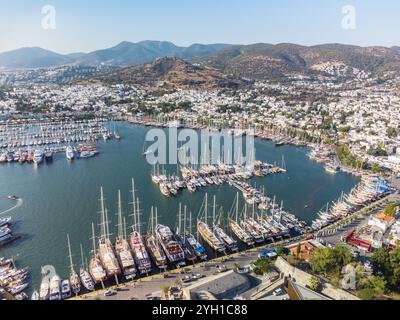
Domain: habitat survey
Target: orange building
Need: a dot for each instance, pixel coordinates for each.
(304, 253)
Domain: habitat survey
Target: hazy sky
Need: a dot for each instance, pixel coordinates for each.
(87, 25)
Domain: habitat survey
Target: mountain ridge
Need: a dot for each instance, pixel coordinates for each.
(124, 53)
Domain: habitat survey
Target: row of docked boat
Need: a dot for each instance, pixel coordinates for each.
(131, 255)
(12, 279)
(82, 151)
(207, 175)
(53, 133)
(280, 136)
(365, 193)
(251, 229)
(6, 234)
(321, 153)
(39, 156)
(29, 156)
(135, 254)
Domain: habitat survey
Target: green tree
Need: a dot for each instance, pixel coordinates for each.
(390, 210)
(262, 266)
(330, 261)
(280, 251)
(298, 250)
(315, 283)
(375, 168)
(394, 257)
(371, 287)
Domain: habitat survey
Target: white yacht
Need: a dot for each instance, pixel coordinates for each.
(69, 153)
(55, 288)
(65, 289)
(38, 156)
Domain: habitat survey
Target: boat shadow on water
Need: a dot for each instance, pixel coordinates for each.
(16, 240)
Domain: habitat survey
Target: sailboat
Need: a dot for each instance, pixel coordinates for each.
(156, 252)
(73, 276)
(229, 242)
(44, 292)
(117, 136)
(35, 295)
(96, 269)
(122, 246)
(206, 232)
(235, 227)
(86, 279)
(180, 237)
(248, 226)
(106, 251)
(140, 254)
(170, 244)
(192, 242)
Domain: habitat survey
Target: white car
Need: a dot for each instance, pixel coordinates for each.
(368, 266)
(109, 293)
(277, 292)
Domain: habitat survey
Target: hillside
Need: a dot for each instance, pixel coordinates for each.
(265, 61)
(32, 58)
(170, 72)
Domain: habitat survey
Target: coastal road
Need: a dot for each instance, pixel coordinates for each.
(152, 286)
(334, 238)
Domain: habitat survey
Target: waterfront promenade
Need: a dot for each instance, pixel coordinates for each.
(151, 286)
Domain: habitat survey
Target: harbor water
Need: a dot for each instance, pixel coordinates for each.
(61, 197)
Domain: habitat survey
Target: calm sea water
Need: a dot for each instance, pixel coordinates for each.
(62, 197)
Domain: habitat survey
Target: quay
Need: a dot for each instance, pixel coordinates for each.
(216, 174)
(145, 287)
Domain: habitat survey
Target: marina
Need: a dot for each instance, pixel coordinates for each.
(122, 160)
(38, 142)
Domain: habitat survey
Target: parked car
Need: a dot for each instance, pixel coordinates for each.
(368, 266)
(187, 278)
(267, 254)
(277, 292)
(109, 293)
(356, 254)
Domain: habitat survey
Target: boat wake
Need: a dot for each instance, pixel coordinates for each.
(19, 203)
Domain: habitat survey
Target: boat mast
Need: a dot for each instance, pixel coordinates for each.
(190, 223)
(206, 209)
(102, 211)
(124, 231)
(184, 223)
(120, 222)
(237, 206)
(134, 226)
(107, 236)
(156, 217)
(138, 216)
(179, 219)
(213, 223)
(151, 221)
(82, 261)
(70, 254)
(94, 240)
